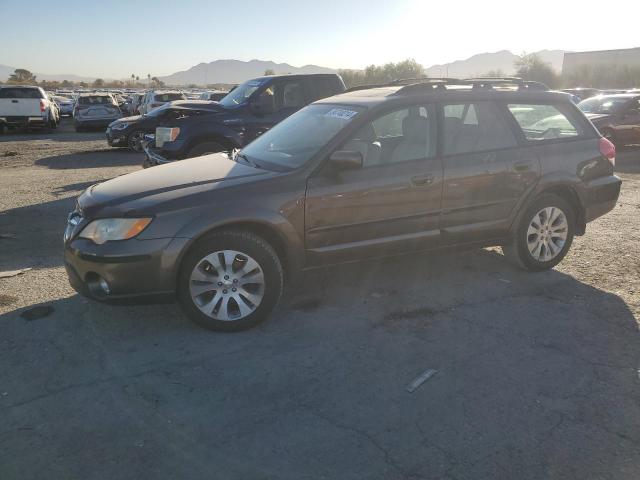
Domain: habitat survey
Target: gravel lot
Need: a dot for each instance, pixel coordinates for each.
(537, 374)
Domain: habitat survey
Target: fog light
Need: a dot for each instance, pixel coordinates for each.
(104, 286)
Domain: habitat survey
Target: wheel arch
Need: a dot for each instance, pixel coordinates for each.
(569, 194)
(289, 250)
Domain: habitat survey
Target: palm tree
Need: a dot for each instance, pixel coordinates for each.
(148, 79)
(133, 77)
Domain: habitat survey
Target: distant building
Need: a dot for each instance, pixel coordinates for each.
(608, 58)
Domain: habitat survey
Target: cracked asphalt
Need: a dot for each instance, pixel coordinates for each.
(538, 374)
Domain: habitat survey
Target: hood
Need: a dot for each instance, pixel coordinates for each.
(598, 117)
(146, 189)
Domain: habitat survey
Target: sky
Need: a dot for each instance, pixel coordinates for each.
(113, 39)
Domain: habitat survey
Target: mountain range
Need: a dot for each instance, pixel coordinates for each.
(482, 63)
(236, 71)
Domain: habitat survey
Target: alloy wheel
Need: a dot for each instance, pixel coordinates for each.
(547, 234)
(227, 285)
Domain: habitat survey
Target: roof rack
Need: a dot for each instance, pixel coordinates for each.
(420, 84)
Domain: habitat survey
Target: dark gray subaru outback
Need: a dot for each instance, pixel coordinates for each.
(373, 172)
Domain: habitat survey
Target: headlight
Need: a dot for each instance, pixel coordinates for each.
(119, 126)
(105, 229)
(164, 135)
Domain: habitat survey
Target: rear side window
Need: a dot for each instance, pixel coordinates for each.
(543, 122)
(20, 93)
(475, 127)
(323, 87)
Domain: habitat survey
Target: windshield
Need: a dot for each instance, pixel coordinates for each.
(295, 140)
(602, 104)
(241, 93)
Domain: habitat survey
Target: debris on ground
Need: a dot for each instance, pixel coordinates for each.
(10, 153)
(420, 379)
(13, 273)
(35, 313)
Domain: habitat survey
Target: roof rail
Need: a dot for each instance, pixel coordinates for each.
(420, 84)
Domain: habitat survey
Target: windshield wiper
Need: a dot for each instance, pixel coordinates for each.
(251, 163)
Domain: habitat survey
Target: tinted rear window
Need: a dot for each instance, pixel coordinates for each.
(544, 122)
(20, 93)
(97, 100)
(168, 97)
(475, 127)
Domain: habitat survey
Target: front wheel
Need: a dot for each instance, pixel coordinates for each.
(134, 140)
(230, 281)
(544, 235)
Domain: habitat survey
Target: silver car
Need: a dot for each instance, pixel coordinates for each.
(95, 110)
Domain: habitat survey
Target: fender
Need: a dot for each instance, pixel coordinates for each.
(291, 244)
(214, 131)
(551, 181)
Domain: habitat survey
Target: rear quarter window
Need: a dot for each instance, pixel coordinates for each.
(545, 122)
(169, 97)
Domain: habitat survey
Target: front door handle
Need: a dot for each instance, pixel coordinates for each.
(522, 167)
(422, 180)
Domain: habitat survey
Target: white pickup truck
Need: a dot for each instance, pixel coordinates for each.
(26, 106)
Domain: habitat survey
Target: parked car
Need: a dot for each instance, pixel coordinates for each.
(26, 106)
(213, 95)
(155, 99)
(65, 105)
(129, 131)
(616, 116)
(583, 93)
(386, 171)
(95, 110)
(242, 115)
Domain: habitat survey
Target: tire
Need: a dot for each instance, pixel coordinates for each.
(133, 143)
(205, 148)
(518, 251)
(243, 247)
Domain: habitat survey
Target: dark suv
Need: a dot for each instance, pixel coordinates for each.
(369, 173)
(242, 115)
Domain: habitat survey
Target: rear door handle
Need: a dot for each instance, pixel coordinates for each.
(522, 166)
(422, 180)
(14, 101)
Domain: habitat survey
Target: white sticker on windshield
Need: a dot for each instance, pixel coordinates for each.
(340, 113)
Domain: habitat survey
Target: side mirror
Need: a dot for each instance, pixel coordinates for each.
(263, 105)
(346, 160)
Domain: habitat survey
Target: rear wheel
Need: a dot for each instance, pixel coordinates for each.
(544, 234)
(230, 281)
(205, 148)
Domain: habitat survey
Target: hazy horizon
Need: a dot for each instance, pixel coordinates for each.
(161, 38)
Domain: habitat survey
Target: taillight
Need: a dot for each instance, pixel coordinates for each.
(43, 107)
(608, 150)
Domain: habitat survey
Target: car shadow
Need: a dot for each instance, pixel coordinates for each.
(92, 159)
(536, 373)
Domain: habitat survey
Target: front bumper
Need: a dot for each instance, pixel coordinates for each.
(153, 158)
(116, 138)
(601, 196)
(130, 268)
